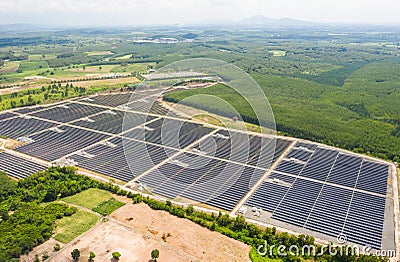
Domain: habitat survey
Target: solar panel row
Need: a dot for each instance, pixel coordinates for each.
(242, 148)
(170, 132)
(214, 182)
(20, 126)
(113, 121)
(18, 167)
(67, 112)
(56, 143)
(111, 100)
(7, 115)
(121, 161)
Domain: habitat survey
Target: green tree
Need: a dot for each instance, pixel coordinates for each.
(91, 257)
(189, 210)
(155, 253)
(56, 247)
(116, 255)
(30, 100)
(75, 254)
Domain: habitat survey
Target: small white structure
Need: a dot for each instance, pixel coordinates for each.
(243, 210)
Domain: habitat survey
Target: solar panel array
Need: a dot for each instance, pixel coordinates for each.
(216, 167)
(6, 115)
(55, 143)
(111, 121)
(22, 126)
(18, 167)
(110, 158)
(67, 112)
(170, 132)
(111, 100)
(203, 179)
(242, 148)
(327, 191)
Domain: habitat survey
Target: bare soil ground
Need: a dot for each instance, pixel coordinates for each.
(187, 236)
(111, 237)
(135, 230)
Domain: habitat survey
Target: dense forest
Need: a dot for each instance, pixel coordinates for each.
(362, 115)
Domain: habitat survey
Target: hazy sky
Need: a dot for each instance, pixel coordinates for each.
(140, 12)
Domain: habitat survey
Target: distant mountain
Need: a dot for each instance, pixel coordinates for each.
(283, 22)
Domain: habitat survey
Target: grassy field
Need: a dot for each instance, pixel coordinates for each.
(107, 207)
(90, 198)
(92, 69)
(69, 228)
(138, 67)
(277, 53)
(123, 57)
(98, 53)
(32, 66)
(41, 57)
(9, 67)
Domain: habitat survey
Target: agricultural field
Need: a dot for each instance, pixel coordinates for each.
(9, 67)
(39, 57)
(32, 66)
(99, 53)
(89, 199)
(68, 228)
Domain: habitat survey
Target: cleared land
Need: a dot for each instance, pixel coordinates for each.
(187, 236)
(95, 53)
(111, 237)
(135, 230)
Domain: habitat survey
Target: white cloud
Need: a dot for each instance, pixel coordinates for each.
(107, 12)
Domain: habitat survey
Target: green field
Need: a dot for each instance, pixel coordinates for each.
(89, 199)
(107, 207)
(123, 57)
(138, 67)
(32, 66)
(68, 228)
(9, 67)
(41, 57)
